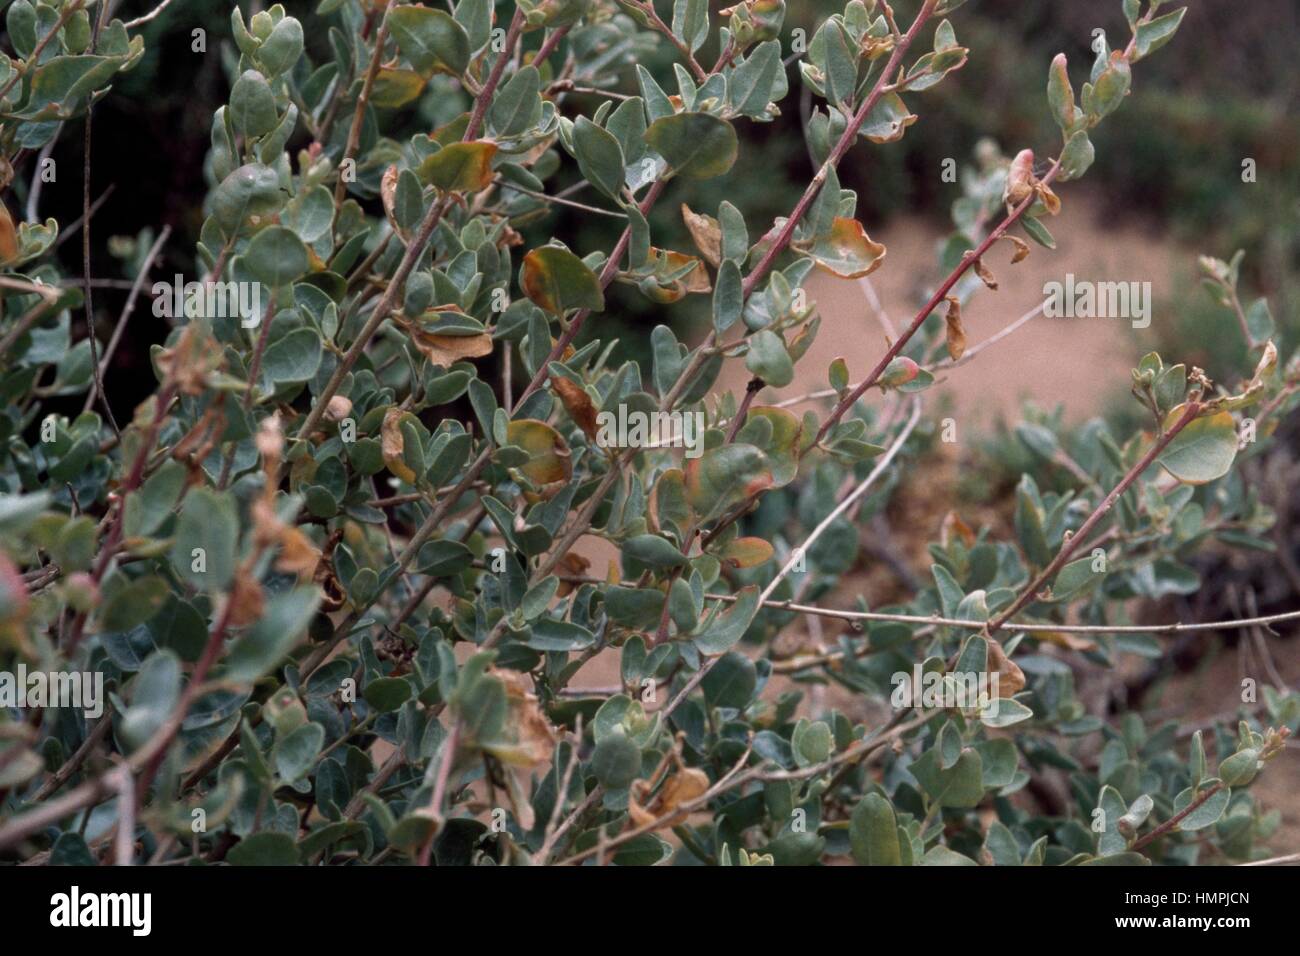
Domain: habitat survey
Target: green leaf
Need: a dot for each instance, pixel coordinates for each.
(1207, 813)
(728, 296)
(873, 832)
(154, 694)
(1259, 321)
(250, 190)
(1060, 94)
(1075, 579)
(266, 643)
(1008, 712)
(252, 105)
(600, 158)
(769, 360)
(940, 855)
(841, 66)
(517, 107)
(207, 533)
(276, 257)
(691, 22)
(653, 550)
(134, 604)
(1203, 450)
(750, 85)
(960, 786)
(294, 357)
(549, 634)
(394, 89)
(295, 755)
(811, 742)
(616, 762)
(724, 475)
(558, 281)
(430, 39)
(721, 633)
(1239, 769)
(695, 145)
(266, 848)
(732, 681)
(387, 694)
(1153, 34)
(1037, 232)
(281, 50)
(1076, 157)
(1108, 92)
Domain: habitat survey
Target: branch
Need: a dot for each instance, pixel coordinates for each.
(1030, 593)
(881, 465)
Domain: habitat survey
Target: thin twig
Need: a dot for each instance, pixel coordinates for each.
(127, 309)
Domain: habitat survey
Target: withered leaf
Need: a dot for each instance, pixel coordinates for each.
(956, 334)
(705, 233)
(577, 403)
(1011, 679)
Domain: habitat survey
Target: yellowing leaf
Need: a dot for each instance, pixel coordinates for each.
(848, 252)
(460, 167)
(557, 281)
(746, 552)
(396, 88)
(549, 465)
(666, 291)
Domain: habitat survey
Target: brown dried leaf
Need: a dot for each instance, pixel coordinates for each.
(706, 233)
(445, 350)
(956, 334)
(1011, 679)
(1022, 248)
(1020, 178)
(530, 738)
(985, 275)
(247, 602)
(577, 403)
(687, 784)
(572, 565)
(954, 526)
(8, 236)
(1049, 198)
(392, 445)
(297, 554)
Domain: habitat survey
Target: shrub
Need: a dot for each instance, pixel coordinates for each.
(328, 571)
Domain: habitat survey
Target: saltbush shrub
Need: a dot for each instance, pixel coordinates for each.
(333, 573)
